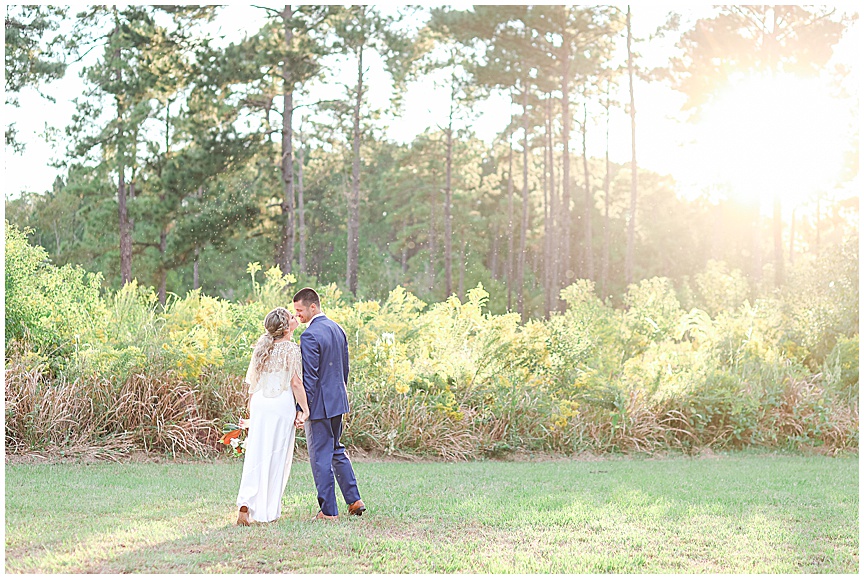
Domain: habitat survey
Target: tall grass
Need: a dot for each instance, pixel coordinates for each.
(95, 416)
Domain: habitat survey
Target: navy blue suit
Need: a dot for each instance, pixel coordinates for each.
(324, 348)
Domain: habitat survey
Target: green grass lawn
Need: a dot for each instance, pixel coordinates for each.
(741, 513)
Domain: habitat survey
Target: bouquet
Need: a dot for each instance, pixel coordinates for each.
(234, 435)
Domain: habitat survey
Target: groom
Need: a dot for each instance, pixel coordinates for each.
(324, 349)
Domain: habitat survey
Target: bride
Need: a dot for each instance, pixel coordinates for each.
(275, 389)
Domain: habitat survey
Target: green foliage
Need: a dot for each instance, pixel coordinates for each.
(584, 341)
(821, 301)
(840, 370)
(49, 308)
(31, 55)
(205, 191)
(653, 312)
(803, 39)
(450, 379)
(714, 358)
(719, 289)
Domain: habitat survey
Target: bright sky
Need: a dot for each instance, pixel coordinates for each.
(787, 133)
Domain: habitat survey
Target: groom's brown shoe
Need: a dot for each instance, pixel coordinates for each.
(356, 508)
(322, 517)
(243, 517)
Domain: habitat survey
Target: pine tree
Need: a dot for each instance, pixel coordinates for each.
(31, 55)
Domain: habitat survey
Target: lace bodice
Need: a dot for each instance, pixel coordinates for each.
(275, 377)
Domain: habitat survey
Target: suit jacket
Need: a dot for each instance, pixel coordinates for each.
(324, 348)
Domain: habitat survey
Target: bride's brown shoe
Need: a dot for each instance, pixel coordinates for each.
(243, 517)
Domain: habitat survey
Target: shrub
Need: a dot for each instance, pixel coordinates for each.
(820, 301)
(840, 371)
(579, 336)
(652, 312)
(719, 289)
(448, 379)
(47, 307)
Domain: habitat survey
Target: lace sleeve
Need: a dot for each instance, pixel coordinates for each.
(296, 364)
(275, 377)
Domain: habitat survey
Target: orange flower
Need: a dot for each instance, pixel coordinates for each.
(228, 436)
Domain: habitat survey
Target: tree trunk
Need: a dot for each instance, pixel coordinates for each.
(604, 267)
(510, 219)
(566, 265)
(589, 199)
(756, 250)
(301, 209)
(792, 238)
(547, 215)
(287, 151)
(195, 280)
(430, 264)
(556, 244)
(125, 234)
(122, 210)
(163, 274)
(130, 197)
(631, 224)
(56, 237)
(404, 248)
(354, 200)
(448, 200)
(523, 238)
(196, 283)
(130, 192)
(779, 268)
(535, 264)
(462, 268)
(818, 223)
(493, 260)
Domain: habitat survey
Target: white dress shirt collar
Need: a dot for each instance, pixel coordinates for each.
(318, 315)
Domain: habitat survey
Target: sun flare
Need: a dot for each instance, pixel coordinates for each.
(781, 135)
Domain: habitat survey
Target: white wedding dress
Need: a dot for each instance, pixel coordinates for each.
(270, 440)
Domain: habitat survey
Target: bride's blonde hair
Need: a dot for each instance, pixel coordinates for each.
(276, 324)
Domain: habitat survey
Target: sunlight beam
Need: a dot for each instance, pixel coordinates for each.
(768, 136)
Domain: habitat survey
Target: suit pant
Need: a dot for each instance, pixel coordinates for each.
(327, 458)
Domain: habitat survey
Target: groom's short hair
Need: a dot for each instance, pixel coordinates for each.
(308, 296)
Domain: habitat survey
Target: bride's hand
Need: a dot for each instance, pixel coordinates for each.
(300, 419)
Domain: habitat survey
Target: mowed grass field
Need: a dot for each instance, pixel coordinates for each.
(739, 513)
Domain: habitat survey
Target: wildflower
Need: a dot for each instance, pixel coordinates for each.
(230, 436)
(234, 436)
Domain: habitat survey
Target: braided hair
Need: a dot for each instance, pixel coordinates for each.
(276, 324)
